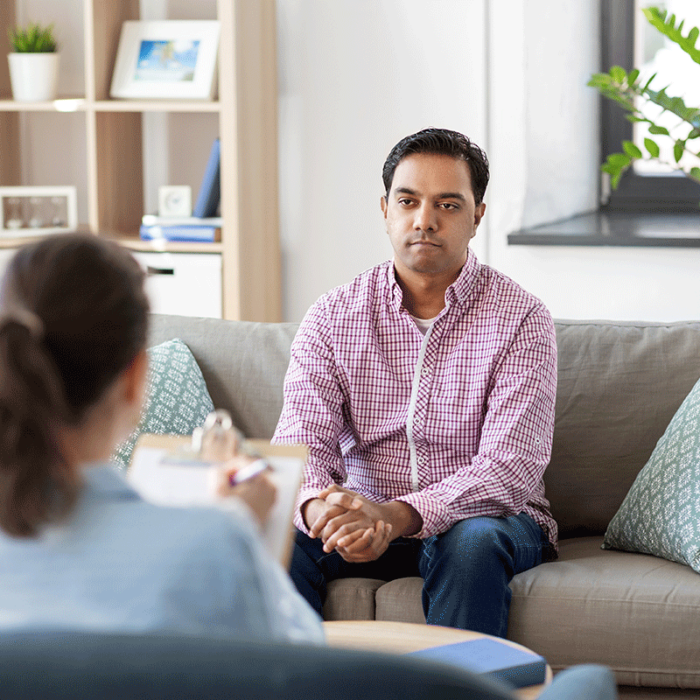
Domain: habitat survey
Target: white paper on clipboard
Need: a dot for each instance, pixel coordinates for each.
(193, 483)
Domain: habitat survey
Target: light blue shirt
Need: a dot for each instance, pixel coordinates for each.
(122, 564)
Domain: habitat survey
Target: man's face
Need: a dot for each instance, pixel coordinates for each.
(431, 215)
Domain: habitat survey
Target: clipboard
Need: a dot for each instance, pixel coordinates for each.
(164, 470)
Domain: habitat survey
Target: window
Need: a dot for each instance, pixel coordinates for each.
(625, 42)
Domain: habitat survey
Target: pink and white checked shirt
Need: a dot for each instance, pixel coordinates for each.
(457, 423)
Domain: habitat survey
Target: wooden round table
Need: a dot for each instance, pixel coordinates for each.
(404, 637)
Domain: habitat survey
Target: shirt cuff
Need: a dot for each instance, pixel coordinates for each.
(435, 515)
(303, 496)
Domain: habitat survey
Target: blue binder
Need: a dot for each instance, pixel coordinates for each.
(209, 195)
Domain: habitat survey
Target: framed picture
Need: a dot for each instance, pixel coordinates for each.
(170, 59)
(36, 211)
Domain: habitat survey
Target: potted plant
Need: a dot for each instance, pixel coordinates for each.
(634, 93)
(34, 63)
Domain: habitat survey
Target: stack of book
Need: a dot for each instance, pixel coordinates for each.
(188, 228)
(203, 226)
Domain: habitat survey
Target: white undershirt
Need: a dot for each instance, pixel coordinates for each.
(423, 323)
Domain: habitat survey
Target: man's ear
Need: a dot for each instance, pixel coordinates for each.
(478, 216)
(384, 205)
(479, 212)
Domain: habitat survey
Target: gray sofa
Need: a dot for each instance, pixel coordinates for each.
(619, 386)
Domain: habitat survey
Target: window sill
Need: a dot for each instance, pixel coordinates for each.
(616, 228)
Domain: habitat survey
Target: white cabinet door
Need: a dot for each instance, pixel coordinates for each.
(185, 284)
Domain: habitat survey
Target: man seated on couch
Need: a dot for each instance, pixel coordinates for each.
(425, 391)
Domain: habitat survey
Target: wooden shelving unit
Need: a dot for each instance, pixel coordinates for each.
(247, 118)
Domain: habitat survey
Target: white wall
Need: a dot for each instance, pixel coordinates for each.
(355, 77)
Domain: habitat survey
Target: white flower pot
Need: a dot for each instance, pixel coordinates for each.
(34, 76)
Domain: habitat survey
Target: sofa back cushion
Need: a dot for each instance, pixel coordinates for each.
(243, 364)
(619, 386)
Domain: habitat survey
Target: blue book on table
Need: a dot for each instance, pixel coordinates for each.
(490, 657)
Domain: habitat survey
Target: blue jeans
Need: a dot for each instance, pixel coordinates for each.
(465, 571)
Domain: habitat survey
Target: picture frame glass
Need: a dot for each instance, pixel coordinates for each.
(166, 60)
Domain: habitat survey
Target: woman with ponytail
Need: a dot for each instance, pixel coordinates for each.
(78, 548)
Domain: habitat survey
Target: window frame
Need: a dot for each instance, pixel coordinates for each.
(661, 193)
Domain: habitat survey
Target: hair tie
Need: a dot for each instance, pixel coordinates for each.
(25, 318)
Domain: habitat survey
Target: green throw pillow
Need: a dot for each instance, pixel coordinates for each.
(177, 400)
(661, 513)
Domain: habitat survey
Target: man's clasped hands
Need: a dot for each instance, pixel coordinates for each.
(355, 527)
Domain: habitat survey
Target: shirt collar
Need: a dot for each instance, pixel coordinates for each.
(458, 292)
(461, 289)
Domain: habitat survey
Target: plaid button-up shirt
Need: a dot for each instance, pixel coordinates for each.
(457, 422)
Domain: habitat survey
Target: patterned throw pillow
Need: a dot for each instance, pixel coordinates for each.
(661, 513)
(177, 400)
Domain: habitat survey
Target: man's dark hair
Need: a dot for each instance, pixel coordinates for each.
(446, 143)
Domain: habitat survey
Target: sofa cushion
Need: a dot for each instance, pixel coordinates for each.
(634, 612)
(609, 415)
(176, 401)
(243, 364)
(401, 599)
(371, 599)
(661, 513)
(351, 599)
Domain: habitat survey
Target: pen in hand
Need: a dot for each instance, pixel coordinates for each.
(250, 471)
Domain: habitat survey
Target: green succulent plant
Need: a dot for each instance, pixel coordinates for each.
(34, 38)
(632, 93)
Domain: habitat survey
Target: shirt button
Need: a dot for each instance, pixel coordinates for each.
(422, 461)
(425, 371)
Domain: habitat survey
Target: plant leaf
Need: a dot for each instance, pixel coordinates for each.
(619, 160)
(695, 174)
(648, 83)
(631, 150)
(33, 39)
(652, 147)
(658, 130)
(678, 149)
(618, 74)
(668, 28)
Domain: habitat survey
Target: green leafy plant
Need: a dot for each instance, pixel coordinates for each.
(633, 93)
(33, 39)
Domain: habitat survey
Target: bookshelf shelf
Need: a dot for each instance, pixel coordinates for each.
(247, 128)
(63, 104)
(156, 106)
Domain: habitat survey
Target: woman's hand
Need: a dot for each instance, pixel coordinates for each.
(257, 493)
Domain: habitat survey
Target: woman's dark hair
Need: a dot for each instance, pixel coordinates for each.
(73, 316)
(445, 143)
